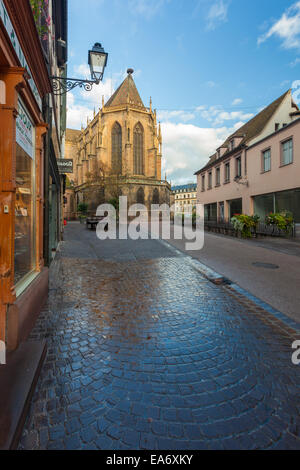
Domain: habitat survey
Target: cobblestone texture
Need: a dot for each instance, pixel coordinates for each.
(145, 353)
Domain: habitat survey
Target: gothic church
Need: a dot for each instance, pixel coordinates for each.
(125, 140)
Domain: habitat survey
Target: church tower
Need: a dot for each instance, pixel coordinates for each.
(124, 142)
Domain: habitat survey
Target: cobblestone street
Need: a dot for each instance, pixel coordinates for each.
(145, 353)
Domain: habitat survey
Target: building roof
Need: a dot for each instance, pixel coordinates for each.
(249, 130)
(185, 187)
(72, 134)
(126, 93)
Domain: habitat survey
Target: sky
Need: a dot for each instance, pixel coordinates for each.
(209, 65)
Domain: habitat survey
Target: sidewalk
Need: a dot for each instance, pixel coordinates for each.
(236, 259)
(145, 353)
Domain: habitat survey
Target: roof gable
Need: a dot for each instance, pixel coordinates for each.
(257, 124)
(248, 131)
(127, 93)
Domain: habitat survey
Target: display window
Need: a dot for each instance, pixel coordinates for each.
(25, 197)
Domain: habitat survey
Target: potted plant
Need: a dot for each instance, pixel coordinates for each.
(245, 225)
(82, 209)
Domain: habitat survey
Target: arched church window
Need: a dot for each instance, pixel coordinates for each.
(116, 149)
(140, 197)
(138, 149)
(155, 196)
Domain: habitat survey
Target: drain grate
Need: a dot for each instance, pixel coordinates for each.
(266, 265)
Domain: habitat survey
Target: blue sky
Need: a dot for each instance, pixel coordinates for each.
(209, 65)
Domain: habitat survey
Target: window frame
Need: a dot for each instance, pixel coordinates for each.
(263, 169)
(238, 166)
(218, 179)
(282, 164)
(227, 165)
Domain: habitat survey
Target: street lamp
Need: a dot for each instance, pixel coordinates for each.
(97, 61)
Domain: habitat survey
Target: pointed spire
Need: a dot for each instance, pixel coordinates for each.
(94, 112)
(120, 96)
(150, 104)
(102, 101)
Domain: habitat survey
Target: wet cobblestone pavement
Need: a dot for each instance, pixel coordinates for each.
(145, 353)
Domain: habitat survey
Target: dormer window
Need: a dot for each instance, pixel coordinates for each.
(218, 153)
(276, 126)
(232, 144)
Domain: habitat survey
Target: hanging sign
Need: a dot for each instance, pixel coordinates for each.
(65, 165)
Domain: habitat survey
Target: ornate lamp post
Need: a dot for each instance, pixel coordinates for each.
(97, 61)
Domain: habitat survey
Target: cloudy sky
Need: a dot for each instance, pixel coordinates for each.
(209, 65)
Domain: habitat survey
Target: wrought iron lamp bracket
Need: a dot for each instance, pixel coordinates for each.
(62, 85)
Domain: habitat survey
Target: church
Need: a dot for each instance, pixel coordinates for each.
(119, 152)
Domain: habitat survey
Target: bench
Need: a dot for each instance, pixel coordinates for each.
(92, 222)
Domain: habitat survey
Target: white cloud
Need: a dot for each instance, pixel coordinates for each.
(167, 116)
(217, 115)
(236, 102)
(296, 91)
(211, 84)
(217, 14)
(146, 8)
(295, 62)
(287, 28)
(186, 148)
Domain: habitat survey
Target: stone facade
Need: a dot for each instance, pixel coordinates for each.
(121, 145)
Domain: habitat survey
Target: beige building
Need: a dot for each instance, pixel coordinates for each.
(184, 196)
(123, 143)
(257, 169)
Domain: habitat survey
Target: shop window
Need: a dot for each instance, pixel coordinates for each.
(289, 201)
(236, 207)
(263, 205)
(25, 197)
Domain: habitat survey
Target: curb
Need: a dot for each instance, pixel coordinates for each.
(219, 280)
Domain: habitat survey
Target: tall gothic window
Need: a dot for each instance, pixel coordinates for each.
(140, 196)
(155, 196)
(138, 149)
(116, 149)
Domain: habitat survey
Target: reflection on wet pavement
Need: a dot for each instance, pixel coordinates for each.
(145, 353)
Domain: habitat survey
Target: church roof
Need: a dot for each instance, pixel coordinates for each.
(125, 90)
(72, 134)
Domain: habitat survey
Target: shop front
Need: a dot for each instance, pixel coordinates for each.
(24, 82)
(282, 201)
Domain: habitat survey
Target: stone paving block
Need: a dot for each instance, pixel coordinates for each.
(137, 365)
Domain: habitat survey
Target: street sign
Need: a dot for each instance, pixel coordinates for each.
(65, 165)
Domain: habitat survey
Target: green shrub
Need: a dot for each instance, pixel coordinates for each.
(245, 224)
(82, 207)
(282, 220)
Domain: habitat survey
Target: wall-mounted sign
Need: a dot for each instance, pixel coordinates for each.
(24, 130)
(65, 165)
(14, 40)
